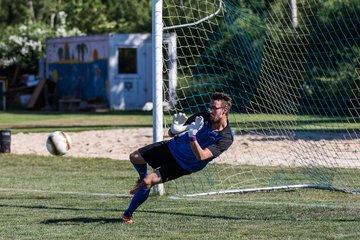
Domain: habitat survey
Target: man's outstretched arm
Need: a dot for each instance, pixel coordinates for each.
(201, 154)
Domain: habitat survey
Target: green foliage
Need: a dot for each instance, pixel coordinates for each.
(130, 16)
(253, 39)
(256, 50)
(61, 19)
(318, 60)
(89, 16)
(14, 12)
(23, 44)
(332, 76)
(226, 57)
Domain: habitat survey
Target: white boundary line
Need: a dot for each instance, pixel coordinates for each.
(315, 186)
(180, 198)
(65, 193)
(268, 203)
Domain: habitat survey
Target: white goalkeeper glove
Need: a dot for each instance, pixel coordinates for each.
(195, 127)
(177, 125)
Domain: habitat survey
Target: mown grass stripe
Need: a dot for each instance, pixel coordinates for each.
(65, 193)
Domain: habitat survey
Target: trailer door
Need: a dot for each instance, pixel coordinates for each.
(129, 76)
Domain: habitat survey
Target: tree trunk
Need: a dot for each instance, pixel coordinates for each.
(16, 76)
(32, 13)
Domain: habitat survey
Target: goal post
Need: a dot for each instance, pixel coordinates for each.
(291, 68)
(157, 65)
(163, 84)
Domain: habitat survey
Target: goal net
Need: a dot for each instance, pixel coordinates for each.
(292, 70)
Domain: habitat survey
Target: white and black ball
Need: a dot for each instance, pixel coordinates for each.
(58, 143)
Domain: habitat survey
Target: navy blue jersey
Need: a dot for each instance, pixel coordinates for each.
(216, 142)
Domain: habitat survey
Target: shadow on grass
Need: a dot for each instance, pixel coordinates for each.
(161, 213)
(206, 216)
(54, 208)
(73, 220)
(114, 220)
(82, 220)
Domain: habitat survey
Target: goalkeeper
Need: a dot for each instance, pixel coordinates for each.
(196, 141)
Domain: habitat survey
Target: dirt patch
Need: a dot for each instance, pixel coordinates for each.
(290, 149)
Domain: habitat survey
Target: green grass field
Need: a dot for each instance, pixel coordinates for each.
(80, 198)
(68, 198)
(25, 121)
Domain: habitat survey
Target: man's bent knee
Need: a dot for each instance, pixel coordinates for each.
(146, 183)
(135, 157)
(151, 180)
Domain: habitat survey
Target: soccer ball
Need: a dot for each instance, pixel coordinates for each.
(58, 143)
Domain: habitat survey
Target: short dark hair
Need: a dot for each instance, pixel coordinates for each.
(224, 97)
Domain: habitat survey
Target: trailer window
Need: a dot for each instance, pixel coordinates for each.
(127, 61)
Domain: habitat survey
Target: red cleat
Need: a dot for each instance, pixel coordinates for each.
(126, 219)
(133, 191)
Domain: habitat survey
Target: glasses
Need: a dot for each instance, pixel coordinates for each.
(214, 108)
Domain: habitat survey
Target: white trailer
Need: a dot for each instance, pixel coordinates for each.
(113, 69)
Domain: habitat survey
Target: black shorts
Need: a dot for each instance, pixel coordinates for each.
(159, 157)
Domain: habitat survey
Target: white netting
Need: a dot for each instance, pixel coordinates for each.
(292, 69)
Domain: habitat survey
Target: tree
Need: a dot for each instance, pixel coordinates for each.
(123, 13)
(21, 44)
(88, 16)
(332, 78)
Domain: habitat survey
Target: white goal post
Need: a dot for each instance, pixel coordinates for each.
(157, 65)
